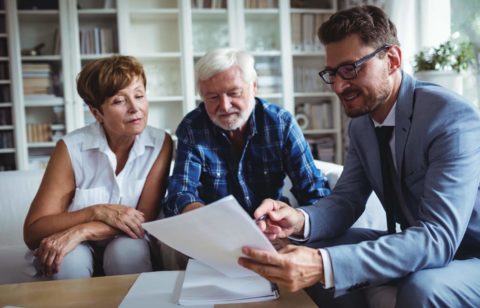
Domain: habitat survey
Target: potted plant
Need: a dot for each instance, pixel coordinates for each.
(445, 63)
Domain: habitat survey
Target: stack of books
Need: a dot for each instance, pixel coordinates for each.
(36, 78)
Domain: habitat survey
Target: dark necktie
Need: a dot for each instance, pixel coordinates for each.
(390, 200)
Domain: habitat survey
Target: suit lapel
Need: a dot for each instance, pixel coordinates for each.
(403, 118)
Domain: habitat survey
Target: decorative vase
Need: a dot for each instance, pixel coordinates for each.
(447, 79)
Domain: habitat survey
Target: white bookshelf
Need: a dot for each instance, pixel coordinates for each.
(168, 37)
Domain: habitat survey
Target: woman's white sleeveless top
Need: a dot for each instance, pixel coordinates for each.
(94, 166)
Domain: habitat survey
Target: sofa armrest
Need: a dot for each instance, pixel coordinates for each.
(374, 215)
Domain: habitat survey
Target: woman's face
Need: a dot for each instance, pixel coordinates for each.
(126, 113)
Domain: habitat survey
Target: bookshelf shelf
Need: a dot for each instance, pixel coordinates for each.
(312, 11)
(209, 12)
(152, 14)
(165, 99)
(267, 53)
(43, 102)
(42, 58)
(39, 145)
(261, 11)
(96, 12)
(6, 127)
(7, 151)
(29, 13)
(89, 57)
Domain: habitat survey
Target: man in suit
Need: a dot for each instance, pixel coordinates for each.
(426, 174)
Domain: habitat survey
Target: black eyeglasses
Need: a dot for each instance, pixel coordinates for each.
(349, 71)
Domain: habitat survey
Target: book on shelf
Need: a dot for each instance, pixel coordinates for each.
(321, 115)
(6, 139)
(5, 116)
(5, 93)
(56, 42)
(304, 31)
(261, 4)
(97, 40)
(109, 4)
(319, 19)
(39, 132)
(308, 31)
(36, 78)
(323, 148)
(4, 74)
(296, 20)
(269, 84)
(209, 4)
(42, 99)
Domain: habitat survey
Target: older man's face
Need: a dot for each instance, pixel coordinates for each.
(229, 100)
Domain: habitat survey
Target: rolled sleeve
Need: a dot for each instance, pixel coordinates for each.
(184, 182)
(308, 183)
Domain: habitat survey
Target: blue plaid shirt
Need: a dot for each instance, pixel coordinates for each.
(207, 169)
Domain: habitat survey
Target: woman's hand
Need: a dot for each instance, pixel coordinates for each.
(123, 218)
(55, 247)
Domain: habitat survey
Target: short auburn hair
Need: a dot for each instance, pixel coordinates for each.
(103, 78)
(369, 22)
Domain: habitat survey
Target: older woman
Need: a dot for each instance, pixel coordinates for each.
(102, 181)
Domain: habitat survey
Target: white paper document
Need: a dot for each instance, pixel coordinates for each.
(203, 285)
(213, 234)
(156, 289)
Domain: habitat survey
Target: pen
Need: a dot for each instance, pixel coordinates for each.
(261, 218)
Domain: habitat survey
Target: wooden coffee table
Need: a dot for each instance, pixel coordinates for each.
(107, 292)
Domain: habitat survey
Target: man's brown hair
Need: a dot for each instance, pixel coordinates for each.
(103, 78)
(369, 22)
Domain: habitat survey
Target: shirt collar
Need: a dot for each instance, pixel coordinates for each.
(98, 140)
(389, 120)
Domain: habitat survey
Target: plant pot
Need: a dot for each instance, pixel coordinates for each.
(447, 79)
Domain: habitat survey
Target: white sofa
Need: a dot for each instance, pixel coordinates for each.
(18, 188)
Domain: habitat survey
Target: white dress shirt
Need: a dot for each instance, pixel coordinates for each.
(94, 166)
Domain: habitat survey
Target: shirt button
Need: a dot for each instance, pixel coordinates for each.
(265, 172)
(218, 173)
(247, 197)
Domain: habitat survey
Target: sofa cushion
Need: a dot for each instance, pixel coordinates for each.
(17, 190)
(16, 266)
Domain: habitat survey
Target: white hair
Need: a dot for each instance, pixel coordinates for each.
(218, 60)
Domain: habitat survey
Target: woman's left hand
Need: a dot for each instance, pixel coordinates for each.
(54, 248)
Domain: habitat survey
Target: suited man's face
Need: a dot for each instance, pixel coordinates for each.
(371, 89)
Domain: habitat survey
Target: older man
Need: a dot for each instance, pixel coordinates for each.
(235, 143)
